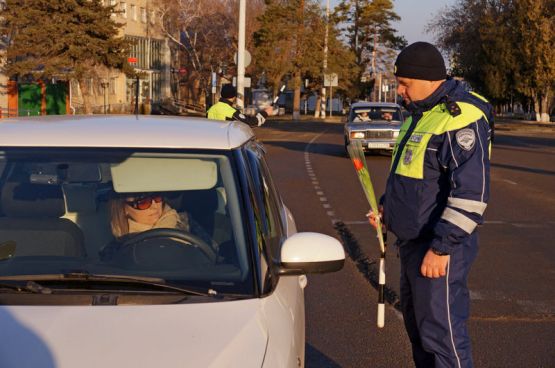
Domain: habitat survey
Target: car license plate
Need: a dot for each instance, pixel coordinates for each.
(378, 145)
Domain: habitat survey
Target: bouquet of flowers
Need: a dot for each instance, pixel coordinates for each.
(359, 161)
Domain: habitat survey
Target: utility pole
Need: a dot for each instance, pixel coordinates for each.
(323, 100)
(373, 75)
(241, 56)
(379, 80)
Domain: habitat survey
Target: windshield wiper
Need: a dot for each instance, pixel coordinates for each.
(86, 277)
(29, 286)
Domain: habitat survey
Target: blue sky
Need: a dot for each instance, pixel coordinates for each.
(415, 15)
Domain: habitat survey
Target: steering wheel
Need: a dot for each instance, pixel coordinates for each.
(178, 235)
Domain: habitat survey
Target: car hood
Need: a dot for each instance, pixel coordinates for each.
(374, 125)
(216, 334)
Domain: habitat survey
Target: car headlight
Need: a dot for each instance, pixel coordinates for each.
(395, 134)
(357, 135)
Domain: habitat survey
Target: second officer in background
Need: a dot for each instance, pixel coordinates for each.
(224, 109)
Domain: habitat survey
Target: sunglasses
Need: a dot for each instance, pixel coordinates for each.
(144, 203)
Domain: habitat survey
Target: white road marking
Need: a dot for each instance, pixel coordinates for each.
(315, 183)
(356, 222)
(510, 181)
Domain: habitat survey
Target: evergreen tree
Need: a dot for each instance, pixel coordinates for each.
(64, 39)
(370, 34)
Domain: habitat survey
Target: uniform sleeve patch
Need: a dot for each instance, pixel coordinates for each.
(416, 138)
(466, 138)
(241, 116)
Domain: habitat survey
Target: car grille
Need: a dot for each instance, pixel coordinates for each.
(379, 134)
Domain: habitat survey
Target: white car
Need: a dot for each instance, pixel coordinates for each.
(375, 124)
(224, 291)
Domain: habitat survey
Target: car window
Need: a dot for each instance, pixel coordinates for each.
(267, 211)
(375, 113)
(169, 215)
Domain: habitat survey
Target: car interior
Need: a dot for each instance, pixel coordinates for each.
(59, 210)
(375, 114)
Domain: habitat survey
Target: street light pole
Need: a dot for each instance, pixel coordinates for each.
(323, 100)
(241, 56)
(137, 96)
(104, 85)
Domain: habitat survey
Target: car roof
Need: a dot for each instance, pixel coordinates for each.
(374, 104)
(123, 131)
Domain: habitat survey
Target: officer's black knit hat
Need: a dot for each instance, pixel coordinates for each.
(420, 60)
(228, 91)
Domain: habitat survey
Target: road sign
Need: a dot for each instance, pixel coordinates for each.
(132, 59)
(248, 58)
(246, 82)
(331, 80)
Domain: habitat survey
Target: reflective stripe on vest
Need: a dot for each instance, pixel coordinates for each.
(434, 122)
(221, 111)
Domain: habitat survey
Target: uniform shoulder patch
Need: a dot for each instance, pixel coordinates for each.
(466, 138)
(241, 116)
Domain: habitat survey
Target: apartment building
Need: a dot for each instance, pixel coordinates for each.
(151, 56)
(111, 91)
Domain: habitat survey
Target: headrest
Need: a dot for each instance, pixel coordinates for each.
(207, 200)
(80, 197)
(32, 200)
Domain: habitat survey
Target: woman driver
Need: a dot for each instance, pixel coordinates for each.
(134, 214)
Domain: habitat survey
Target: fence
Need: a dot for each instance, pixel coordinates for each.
(169, 107)
(9, 113)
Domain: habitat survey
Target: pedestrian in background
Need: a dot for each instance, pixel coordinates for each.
(224, 109)
(436, 195)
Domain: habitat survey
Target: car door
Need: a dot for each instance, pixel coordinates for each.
(284, 295)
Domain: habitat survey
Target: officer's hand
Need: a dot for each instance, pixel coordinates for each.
(372, 218)
(269, 110)
(434, 266)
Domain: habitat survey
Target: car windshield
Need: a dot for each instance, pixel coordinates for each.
(174, 216)
(370, 114)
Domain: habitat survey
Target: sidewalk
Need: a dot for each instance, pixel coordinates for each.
(310, 117)
(501, 124)
(507, 124)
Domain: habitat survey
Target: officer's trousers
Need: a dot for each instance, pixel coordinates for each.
(435, 311)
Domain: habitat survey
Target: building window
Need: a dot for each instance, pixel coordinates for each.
(75, 91)
(152, 17)
(143, 15)
(113, 5)
(113, 86)
(123, 9)
(133, 11)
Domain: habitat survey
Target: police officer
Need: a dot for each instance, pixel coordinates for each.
(224, 110)
(436, 194)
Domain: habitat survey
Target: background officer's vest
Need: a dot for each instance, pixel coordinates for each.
(221, 111)
(433, 122)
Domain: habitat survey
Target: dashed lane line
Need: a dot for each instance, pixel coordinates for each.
(368, 268)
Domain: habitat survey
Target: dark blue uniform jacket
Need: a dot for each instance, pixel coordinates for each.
(447, 204)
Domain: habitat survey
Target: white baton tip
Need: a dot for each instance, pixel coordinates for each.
(381, 315)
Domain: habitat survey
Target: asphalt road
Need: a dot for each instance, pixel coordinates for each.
(512, 281)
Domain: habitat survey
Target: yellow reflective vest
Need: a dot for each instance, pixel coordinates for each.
(221, 111)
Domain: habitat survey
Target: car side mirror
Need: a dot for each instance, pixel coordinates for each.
(308, 252)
